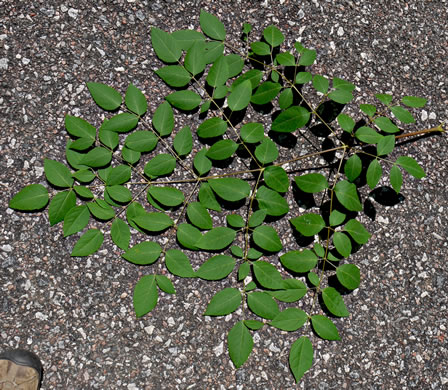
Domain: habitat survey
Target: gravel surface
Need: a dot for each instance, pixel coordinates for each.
(76, 313)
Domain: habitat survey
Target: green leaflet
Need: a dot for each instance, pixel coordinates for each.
(121, 123)
(336, 218)
(106, 97)
(163, 119)
(118, 175)
(160, 165)
(222, 149)
(145, 295)
(402, 114)
(120, 233)
(291, 119)
(108, 138)
(207, 197)
(308, 224)
(260, 48)
(257, 218)
(153, 222)
(165, 46)
(212, 26)
(267, 238)
(411, 166)
(273, 36)
(58, 174)
(266, 92)
(96, 158)
(267, 275)
(240, 97)
(199, 216)
(78, 127)
(368, 135)
(240, 344)
(386, 145)
(141, 141)
(202, 164)
(271, 201)
(88, 243)
(185, 100)
(342, 243)
(30, 198)
(276, 178)
(188, 235)
(311, 182)
(167, 196)
(262, 304)
(224, 302)
(357, 231)
(75, 220)
(286, 59)
(320, 83)
(213, 127)
(289, 319)
(101, 210)
(386, 125)
(165, 284)
(219, 72)
(254, 75)
(174, 75)
(135, 100)
(216, 239)
(195, 60)
(374, 172)
(252, 132)
(334, 302)
(353, 167)
(60, 205)
(178, 264)
(292, 291)
(229, 188)
(236, 221)
(183, 141)
(396, 178)
(267, 151)
(346, 122)
(285, 99)
(349, 276)
(324, 327)
(301, 357)
(347, 194)
(414, 101)
(235, 64)
(186, 38)
(216, 268)
(299, 261)
(145, 253)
